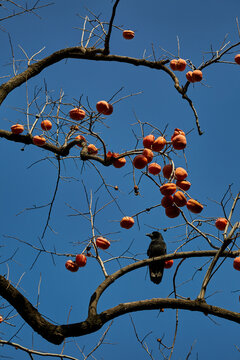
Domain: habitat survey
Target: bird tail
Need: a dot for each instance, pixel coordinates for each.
(156, 272)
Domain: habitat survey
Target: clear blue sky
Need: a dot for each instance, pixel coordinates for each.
(212, 161)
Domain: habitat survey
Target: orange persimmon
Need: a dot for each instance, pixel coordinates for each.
(77, 114)
(197, 75)
(148, 141)
(179, 199)
(17, 129)
(128, 34)
(172, 211)
(168, 189)
(140, 161)
(46, 125)
(194, 206)
(154, 168)
(92, 149)
(221, 223)
(159, 144)
(180, 173)
(127, 222)
(39, 140)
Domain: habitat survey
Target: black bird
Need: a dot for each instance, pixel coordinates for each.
(156, 248)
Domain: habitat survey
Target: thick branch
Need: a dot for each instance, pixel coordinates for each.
(56, 333)
(77, 52)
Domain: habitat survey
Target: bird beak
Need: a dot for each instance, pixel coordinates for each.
(149, 235)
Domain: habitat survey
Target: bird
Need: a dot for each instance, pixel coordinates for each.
(156, 248)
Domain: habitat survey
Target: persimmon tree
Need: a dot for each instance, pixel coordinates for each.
(96, 184)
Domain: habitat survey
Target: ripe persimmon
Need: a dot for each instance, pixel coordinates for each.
(81, 260)
(127, 222)
(148, 141)
(118, 163)
(190, 77)
(46, 125)
(184, 184)
(236, 263)
(179, 199)
(128, 34)
(179, 142)
(17, 129)
(167, 201)
(237, 59)
(167, 171)
(172, 211)
(180, 173)
(92, 149)
(102, 243)
(39, 140)
(154, 168)
(194, 206)
(140, 161)
(168, 189)
(197, 75)
(221, 223)
(159, 144)
(148, 154)
(71, 266)
(168, 264)
(77, 114)
(80, 137)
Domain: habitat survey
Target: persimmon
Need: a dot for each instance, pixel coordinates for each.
(173, 64)
(1, 319)
(168, 264)
(140, 161)
(167, 201)
(127, 222)
(159, 144)
(167, 171)
(148, 141)
(128, 34)
(102, 106)
(154, 168)
(236, 263)
(180, 173)
(184, 184)
(190, 77)
(148, 154)
(181, 65)
(179, 199)
(194, 206)
(77, 114)
(102, 243)
(118, 163)
(46, 125)
(17, 129)
(177, 132)
(197, 75)
(168, 189)
(237, 59)
(80, 137)
(178, 65)
(172, 211)
(221, 223)
(109, 111)
(92, 149)
(39, 140)
(179, 142)
(81, 260)
(71, 266)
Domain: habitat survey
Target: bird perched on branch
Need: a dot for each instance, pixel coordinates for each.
(156, 248)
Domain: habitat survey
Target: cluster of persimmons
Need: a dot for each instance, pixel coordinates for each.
(175, 186)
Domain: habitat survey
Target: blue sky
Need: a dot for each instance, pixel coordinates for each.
(212, 163)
